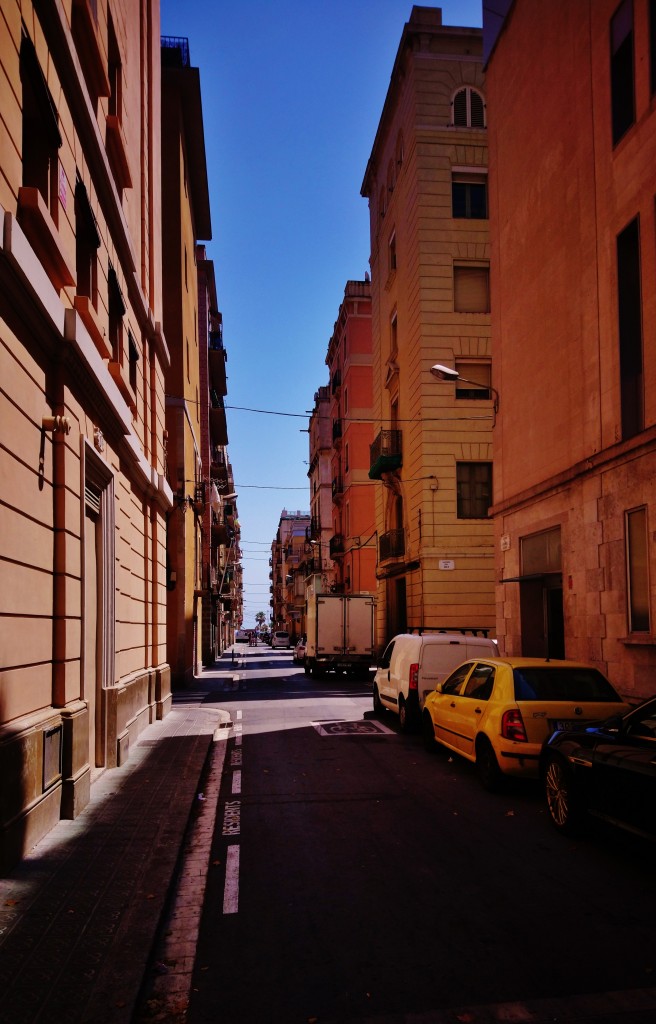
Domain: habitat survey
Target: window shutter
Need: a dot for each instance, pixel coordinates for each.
(471, 289)
(460, 108)
(92, 498)
(477, 111)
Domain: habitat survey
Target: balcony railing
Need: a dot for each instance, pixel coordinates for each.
(338, 487)
(385, 454)
(336, 546)
(337, 430)
(391, 545)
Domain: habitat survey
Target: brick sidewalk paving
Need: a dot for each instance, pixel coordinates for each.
(79, 915)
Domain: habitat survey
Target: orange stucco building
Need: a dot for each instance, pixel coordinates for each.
(83, 663)
(349, 361)
(426, 183)
(573, 265)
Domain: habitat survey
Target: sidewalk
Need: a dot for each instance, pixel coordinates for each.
(79, 915)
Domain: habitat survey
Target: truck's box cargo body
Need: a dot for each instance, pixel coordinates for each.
(340, 633)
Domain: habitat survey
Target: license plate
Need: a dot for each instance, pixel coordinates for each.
(567, 723)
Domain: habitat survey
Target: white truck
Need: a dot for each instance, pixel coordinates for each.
(340, 634)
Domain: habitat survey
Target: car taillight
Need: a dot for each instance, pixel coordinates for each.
(413, 679)
(512, 726)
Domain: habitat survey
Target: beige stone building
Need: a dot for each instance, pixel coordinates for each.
(574, 261)
(426, 182)
(186, 220)
(83, 664)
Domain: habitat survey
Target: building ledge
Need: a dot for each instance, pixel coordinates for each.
(42, 234)
(89, 318)
(117, 151)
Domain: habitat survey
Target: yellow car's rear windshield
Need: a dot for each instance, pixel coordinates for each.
(553, 683)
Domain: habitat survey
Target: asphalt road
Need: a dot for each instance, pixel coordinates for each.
(356, 877)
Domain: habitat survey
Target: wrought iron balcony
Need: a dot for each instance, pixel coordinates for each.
(338, 487)
(337, 430)
(391, 545)
(385, 454)
(336, 546)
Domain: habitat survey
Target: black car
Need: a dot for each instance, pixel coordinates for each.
(607, 770)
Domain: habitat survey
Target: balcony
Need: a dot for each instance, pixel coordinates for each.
(336, 546)
(391, 545)
(337, 430)
(336, 382)
(385, 454)
(338, 488)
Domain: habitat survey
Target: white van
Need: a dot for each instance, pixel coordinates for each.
(281, 639)
(413, 664)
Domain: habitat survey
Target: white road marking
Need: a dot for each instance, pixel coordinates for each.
(236, 782)
(231, 889)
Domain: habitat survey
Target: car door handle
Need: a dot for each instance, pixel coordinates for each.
(453, 704)
(478, 711)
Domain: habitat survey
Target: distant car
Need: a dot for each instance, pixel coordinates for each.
(497, 712)
(606, 770)
(281, 638)
(242, 636)
(299, 651)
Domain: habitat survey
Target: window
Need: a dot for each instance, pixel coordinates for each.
(473, 373)
(480, 683)
(474, 489)
(87, 243)
(621, 70)
(382, 202)
(41, 136)
(471, 289)
(468, 109)
(652, 45)
(456, 679)
(629, 305)
(391, 179)
(114, 72)
(346, 458)
(133, 355)
(400, 153)
(392, 252)
(469, 196)
(116, 314)
(394, 337)
(637, 570)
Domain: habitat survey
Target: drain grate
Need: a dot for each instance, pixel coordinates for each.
(351, 729)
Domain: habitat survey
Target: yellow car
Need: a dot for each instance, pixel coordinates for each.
(497, 712)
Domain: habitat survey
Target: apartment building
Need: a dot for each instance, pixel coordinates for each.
(85, 496)
(319, 562)
(288, 555)
(426, 184)
(574, 261)
(221, 604)
(185, 220)
(349, 362)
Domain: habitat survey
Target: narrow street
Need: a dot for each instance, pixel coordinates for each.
(353, 876)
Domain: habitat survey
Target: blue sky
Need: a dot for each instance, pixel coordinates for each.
(292, 94)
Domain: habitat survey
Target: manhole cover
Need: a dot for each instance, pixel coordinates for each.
(351, 729)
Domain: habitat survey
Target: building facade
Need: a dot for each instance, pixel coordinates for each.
(349, 362)
(222, 597)
(185, 220)
(426, 183)
(85, 498)
(574, 260)
(320, 567)
(288, 557)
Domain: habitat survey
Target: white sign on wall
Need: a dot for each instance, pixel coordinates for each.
(447, 563)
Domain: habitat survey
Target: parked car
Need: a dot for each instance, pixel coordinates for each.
(413, 664)
(242, 636)
(606, 770)
(498, 712)
(299, 652)
(281, 638)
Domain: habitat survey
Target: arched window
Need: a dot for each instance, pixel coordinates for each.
(468, 109)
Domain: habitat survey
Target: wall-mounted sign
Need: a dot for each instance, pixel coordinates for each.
(505, 542)
(447, 563)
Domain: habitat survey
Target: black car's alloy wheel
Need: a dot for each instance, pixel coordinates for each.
(561, 799)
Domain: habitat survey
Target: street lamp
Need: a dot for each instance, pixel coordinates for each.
(446, 373)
